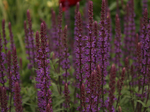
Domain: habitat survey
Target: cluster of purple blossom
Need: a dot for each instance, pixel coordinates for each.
(92, 51)
(9, 71)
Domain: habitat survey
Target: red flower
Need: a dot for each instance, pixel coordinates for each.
(68, 3)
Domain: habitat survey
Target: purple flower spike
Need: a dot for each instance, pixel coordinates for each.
(54, 32)
(89, 56)
(103, 46)
(68, 23)
(127, 39)
(148, 56)
(43, 78)
(58, 51)
(99, 80)
(17, 98)
(75, 42)
(2, 65)
(20, 63)
(120, 84)
(132, 77)
(1, 96)
(89, 66)
(91, 92)
(109, 32)
(30, 44)
(122, 79)
(112, 88)
(59, 33)
(67, 97)
(9, 70)
(27, 42)
(118, 50)
(145, 5)
(12, 45)
(135, 58)
(139, 56)
(95, 43)
(79, 50)
(16, 81)
(16, 76)
(83, 96)
(49, 108)
(4, 36)
(37, 42)
(4, 100)
(85, 16)
(139, 63)
(79, 53)
(145, 45)
(132, 30)
(65, 62)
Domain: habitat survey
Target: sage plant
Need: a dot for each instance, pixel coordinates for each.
(127, 39)
(112, 88)
(117, 42)
(4, 36)
(12, 45)
(66, 92)
(79, 54)
(95, 48)
(120, 83)
(54, 32)
(89, 55)
(43, 78)
(4, 107)
(132, 30)
(2, 65)
(30, 40)
(65, 63)
(144, 49)
(144, 5)
(16, 83)
(103, 48)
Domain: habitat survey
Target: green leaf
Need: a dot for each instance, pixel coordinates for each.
(34, 105)
(25, 100)
(58, 110)
(112, 6)
(144, 105)
(58, 103)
